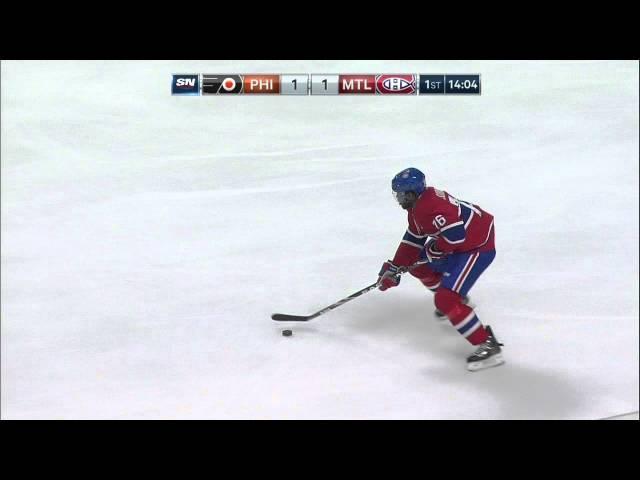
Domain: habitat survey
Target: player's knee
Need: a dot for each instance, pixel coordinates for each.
(422, 271)
(428, 277)
(425, 274)
(447, 300)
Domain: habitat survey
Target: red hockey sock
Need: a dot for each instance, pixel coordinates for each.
(462, 317)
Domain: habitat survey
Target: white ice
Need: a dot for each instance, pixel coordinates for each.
(147, 239)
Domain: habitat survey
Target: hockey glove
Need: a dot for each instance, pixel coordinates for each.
(430, 252)
(388, 276)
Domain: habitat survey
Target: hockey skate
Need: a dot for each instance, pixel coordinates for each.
(488, 354)
(441, 316)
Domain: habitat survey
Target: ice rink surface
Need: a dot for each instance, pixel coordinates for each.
(146, 240)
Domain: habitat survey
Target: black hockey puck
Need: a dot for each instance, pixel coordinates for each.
(287, 333)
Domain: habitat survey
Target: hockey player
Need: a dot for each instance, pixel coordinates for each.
(457, 240)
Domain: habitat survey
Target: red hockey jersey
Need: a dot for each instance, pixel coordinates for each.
(459, 226)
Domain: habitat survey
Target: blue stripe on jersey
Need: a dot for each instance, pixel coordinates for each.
(413, 239)
(454, 235)
(465, 213)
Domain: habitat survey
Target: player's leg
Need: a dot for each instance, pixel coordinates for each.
(463, 271)
(431, 277)
(440, 314)
(469, 270)
(428, 277)
(462, 317)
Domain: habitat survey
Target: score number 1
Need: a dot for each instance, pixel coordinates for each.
(294, 84)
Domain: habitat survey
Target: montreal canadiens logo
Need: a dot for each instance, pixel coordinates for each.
(396, 84)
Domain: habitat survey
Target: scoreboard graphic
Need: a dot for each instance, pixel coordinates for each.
(326, 84)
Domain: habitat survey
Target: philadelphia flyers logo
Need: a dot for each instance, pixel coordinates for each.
(229, 84)
(221, 84)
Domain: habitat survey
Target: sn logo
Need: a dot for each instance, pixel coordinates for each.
(186, 82)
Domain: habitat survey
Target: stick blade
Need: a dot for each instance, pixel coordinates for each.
(281, 317)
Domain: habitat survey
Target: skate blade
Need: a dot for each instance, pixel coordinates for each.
(484, 364)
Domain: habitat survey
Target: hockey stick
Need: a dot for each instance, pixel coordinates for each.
(281, 317)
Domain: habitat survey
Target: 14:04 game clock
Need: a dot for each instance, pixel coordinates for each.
(462, 84)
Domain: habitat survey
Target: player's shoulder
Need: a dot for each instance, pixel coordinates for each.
(431, 201)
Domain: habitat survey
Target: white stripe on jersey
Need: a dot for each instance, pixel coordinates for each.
(453, 242)
(451, 226)
(488, 235)
(468, 220)
(416, 235)
(417, 245)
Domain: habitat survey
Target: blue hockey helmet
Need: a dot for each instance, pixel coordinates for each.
(410, 180)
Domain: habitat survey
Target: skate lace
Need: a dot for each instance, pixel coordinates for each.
(484, 347)
(488, 346)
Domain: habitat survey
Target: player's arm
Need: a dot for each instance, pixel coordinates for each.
(409, 249)
(407, 254)
(451, 232)
(448, 231)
